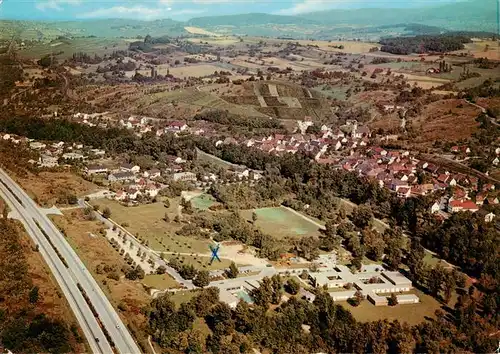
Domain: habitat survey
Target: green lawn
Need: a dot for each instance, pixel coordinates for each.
(410, 313)
(160, 281)
(203, 262)
(281, 222)
(203, 202)
(180, 297)
(146, 221)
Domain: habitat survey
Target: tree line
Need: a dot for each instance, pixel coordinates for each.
(224, 117)
(424, 44)
(329, 326)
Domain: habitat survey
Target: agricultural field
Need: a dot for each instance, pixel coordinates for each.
(147, 221)
(352, 47)
(281, 222)
(204, 157)
(425, 82)
(65, 48)
(482, 49)
(198, 30)
(193, 70)
(196, 99)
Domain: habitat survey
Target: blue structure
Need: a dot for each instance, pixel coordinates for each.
(215, 255)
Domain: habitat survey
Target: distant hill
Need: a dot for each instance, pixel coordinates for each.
(367, 24)
(479, 15)
(252, 19)
(110, 28)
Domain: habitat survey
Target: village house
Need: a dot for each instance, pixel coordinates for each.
(48, 161)
(151, 190)
(152, 173)
(458, 206)
(93, 169)
(73, 156)
(121, 176)
(97, 152)
(176, 126)
(36, 145)
(491, 201)
(184, 176)
(435, 208)
(127, 167)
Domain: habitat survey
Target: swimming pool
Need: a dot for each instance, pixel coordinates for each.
(243, 295)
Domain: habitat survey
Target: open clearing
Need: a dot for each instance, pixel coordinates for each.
(352, 47)
(198, 30)
(147, 222)
(410, 313)
(203, 202)
(193, 70)
(47, 187)
(281, 222)
(203, 262)
(482, 49)
(160, 281)
(449, 120)
(425, 82)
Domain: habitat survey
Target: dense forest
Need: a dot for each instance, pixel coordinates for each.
(10, 72)
(23, 325)
(424, 44)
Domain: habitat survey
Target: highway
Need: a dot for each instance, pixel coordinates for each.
(35, 220)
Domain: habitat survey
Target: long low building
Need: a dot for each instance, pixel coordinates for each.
(407, 299)
(370, 281)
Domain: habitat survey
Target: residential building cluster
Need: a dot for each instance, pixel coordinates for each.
(351, 148)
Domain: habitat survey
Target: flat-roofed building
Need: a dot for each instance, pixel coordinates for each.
(377, 300)
(407, 299)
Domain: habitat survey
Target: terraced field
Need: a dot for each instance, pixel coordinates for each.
(192, 96)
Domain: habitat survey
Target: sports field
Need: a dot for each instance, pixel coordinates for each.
(281, 222)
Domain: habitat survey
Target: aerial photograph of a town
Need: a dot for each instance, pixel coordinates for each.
(238, 176)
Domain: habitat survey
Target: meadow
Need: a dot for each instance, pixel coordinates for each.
(147, 221)
(281, 222)
(65, 48)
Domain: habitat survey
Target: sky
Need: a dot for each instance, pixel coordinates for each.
(182, 9)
